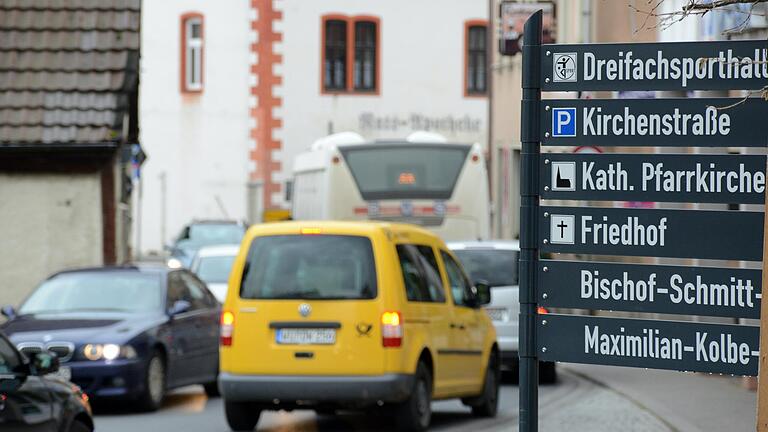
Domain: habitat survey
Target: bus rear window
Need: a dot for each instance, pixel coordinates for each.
(324, 267)
(406, 171)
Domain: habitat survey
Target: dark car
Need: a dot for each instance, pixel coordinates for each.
(203, 233)
(126, 333)
(29, 401)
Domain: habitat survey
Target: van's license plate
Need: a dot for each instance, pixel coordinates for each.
(306, 336)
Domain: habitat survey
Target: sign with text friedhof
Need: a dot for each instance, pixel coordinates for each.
(737, 65)
(706, 234)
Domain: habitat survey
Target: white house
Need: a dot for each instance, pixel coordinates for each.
(194, 106)
(232, 91)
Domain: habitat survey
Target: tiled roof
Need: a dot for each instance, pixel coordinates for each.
(67, 69)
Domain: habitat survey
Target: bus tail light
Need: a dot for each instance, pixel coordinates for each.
(227, 328)
(391, 330)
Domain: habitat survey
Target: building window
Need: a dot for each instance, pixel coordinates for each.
(350, 54)
(476, 72)
(192, 52)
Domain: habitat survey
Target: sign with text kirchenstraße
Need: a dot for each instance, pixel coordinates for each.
(683, 290)
(705, 122)
(705, 234)
(726, 65)
(701, 178)
(675, 345)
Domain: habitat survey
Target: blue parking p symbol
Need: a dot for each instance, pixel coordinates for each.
(564, 122)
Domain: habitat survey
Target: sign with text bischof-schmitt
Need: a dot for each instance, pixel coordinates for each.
(701, 178)
(705, 122)
(737, 65)
(682, 290)
(705, 234)
(675, 345)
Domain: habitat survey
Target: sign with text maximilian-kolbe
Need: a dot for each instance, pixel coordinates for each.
(706, 234)
(655, 122)
(676, 345)
(737, 65)
(682, 290)
(704, 178)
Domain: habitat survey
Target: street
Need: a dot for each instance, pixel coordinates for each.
(629, 400)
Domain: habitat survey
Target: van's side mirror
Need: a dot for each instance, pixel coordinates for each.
(179, 307)
(44, 363)
(482, 293)
(8, 311)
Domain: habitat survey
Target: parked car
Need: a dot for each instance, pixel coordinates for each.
(203, 233)
(496, 262)
(123, 332)
(353, 315)
(212, 264)
(32, 401)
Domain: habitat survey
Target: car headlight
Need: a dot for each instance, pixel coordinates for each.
(108, 352)
(175, 263)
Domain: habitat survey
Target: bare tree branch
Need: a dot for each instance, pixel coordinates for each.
(698, 6)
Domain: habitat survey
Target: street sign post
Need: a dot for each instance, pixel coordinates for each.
(681, 290)
(640, 232)
(703, 178)
(675, 345)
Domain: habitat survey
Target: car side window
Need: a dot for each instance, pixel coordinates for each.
(9, 358)
(460, 286)
(420, 275)
(199, 296)
(176, 289)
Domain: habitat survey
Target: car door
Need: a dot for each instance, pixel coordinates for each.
(25, 402)
(182, 356)
(206, 323)
(467, 330)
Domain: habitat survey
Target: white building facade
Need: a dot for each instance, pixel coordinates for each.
(381, 69)
(194, 106)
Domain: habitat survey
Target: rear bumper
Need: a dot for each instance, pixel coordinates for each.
(292, 388)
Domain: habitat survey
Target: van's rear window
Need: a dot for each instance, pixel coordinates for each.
(325, 267)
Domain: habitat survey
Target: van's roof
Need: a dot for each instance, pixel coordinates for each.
(336, 227)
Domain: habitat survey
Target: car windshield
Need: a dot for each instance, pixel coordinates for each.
(214, 269)
(498, 267)
(199, 235)
(121, 291)
(309, 267)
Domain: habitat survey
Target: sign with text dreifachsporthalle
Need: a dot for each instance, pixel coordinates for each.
(705, 178)
(683, 290)
(706, 234)
(691, 122)
(726, 65)
(675, 345)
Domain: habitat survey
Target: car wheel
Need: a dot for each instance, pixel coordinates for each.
(241, 416)
(415, 413)
(78, 426)
(488, 403)
(212, 389)
(154, 383)
(547, 372)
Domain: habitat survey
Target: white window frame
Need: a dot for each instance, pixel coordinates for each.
(193, 45)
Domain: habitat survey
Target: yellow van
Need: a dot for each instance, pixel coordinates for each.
(353, 315)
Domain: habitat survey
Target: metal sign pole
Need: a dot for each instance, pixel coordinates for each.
(529, 209)
(762, 385)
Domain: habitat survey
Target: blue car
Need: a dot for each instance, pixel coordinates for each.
(128, 333)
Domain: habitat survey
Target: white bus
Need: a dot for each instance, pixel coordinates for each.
(421, 180)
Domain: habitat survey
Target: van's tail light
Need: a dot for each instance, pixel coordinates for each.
(391, 329)
(542, 310)
(227, 328)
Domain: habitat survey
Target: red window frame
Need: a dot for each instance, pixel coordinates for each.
(468, 25)
(183, 64)
(350, 57)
